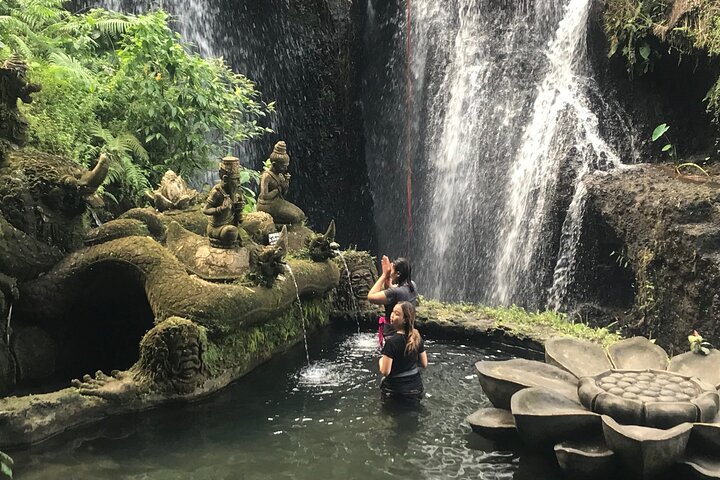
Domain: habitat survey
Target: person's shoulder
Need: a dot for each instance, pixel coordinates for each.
(396, 339)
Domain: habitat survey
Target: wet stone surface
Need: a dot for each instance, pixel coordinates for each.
(649, 386)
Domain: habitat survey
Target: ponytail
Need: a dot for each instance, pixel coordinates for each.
(413, 336)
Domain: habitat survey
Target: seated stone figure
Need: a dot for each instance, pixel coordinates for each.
(274, 185)
(172, 194)
(224, 205)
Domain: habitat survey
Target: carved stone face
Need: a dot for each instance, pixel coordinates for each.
(362, 280)
(171, 355)
(281, 166)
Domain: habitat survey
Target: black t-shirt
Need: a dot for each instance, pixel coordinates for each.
(394, 348)
(394, 296)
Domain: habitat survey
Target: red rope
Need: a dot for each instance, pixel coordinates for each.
(408, 126)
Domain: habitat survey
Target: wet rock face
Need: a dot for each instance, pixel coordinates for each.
(663, 231)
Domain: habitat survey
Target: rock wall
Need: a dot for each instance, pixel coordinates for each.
(303, 56)
(650, 255)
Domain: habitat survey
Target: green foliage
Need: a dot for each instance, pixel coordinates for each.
(6, 464)
(128, 86)
(698, 344)
(517, 320)
(643, 30)
(661, 132)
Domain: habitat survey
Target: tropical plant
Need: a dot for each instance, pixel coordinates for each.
(126, 85)
(661, 132)
(645, 30)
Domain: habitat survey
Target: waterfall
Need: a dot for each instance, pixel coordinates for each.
(561, 119)
(500, 122)
(195, 20)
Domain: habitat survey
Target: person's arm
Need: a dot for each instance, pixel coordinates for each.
(385, 365)
(422, 360)
(376, 294)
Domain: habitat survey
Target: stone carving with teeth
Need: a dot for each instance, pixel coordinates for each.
(171, 362)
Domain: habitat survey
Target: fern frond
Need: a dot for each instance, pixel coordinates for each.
(21, 47)
(97, 131)
(112, 26)
(72, 66)
(130, 143)
(9, 23)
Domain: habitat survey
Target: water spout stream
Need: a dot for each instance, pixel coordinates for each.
(302, 314)
(352, 293)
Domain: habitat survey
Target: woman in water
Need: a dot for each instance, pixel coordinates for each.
(394, 285)
(402, 354)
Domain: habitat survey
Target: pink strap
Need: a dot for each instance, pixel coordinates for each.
(381, 339)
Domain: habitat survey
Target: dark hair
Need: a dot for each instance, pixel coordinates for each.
(413, 336)
(402, 266)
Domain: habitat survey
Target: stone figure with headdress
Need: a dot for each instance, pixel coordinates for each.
(274, 185)
(224, 205)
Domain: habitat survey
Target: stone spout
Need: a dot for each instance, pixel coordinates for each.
(90, 181)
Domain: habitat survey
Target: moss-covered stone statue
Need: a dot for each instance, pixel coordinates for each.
(274, 185)
(268, 261)
(132, 298)
(13, 86)
(224, 205)
(322, 247)
(357, 276)
(171, 363)
(172, 194)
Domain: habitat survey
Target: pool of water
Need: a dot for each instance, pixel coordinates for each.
(288, 420)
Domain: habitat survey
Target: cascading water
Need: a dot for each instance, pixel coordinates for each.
(302, 315)
(501, 121)
(561, 121)
(353, 305)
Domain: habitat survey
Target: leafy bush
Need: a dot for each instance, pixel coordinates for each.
(641, 30)
(128, 86)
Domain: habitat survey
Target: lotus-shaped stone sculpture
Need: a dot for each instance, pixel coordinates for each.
(629, 406)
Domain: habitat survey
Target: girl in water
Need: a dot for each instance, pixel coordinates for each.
(402, 354)
(394, 285)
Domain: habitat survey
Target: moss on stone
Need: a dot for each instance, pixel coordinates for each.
(514, 321)
(242, 349)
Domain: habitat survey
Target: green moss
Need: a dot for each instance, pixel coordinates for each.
(242, 349)
(516, 320)
(520, 320)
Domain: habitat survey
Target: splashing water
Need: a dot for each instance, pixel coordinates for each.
(352, 293)
(505, 92)
(302, 314)
(537, 168)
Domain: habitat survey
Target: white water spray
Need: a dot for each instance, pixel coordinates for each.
(302, 314)
(354, 306)
(536, 169)
(7, 325)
